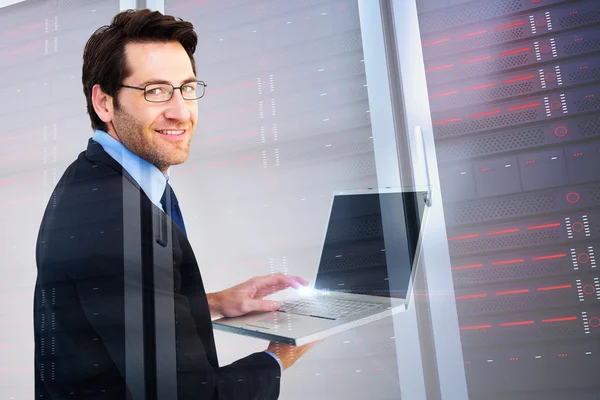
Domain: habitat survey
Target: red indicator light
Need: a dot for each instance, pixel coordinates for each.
(563, 354)
(530, 228)
(476, 60)
(482, 86)
(546, 321)
(530, 162)
(506, 53)
(542, 289)
(467, 328)
(550, 77)
(549, 257)
(471, 296)
(509, 25)
(514, 359)
(472, 34)
(436, 42)
(443, 94)
(573, 197)
(589, 289)
(577, 226)
(540, 22)
(583, 258)
(216, 91)
(464, 237)
(504, 231)
(512, 292)
(560, 131)
(219, 164)
(594, 322)
(524, 106)
(247, 159)
(530, 322)
(546, 49)
(556, 105)
(523, 78)
(467, 266)
(446, 121)
(440, 67)
(520, 260)
(485, 113)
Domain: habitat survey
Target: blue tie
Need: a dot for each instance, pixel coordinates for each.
(174, 211)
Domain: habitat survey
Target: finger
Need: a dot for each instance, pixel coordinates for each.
(278, 280)
(269, 290)
(262, 305)
(259, 305)
(296, 281)
(301, 280)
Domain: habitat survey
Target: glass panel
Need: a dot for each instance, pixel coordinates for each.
(44, 125)
(284, 124)
(513, 90)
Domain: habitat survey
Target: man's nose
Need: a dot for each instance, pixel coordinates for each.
(178, 107)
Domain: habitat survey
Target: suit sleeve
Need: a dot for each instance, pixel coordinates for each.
(254, 377)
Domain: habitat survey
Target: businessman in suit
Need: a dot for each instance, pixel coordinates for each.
(120, 309)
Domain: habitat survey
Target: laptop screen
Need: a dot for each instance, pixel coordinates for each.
(371, 242)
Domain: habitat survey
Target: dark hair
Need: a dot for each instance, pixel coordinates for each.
(104, 60)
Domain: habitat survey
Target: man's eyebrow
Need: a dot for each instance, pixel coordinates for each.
(156, 81)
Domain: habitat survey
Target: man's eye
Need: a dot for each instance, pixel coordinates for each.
(155, 91)
(188, 88)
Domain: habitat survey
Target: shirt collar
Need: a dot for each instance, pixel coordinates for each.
(152, 181)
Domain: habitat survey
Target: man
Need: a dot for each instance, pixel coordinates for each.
(120, 308)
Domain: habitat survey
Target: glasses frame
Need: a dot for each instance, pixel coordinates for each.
(201, 83)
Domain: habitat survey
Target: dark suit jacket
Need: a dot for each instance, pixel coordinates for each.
(120, 309)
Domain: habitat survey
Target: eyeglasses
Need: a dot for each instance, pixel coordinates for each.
(161, 92)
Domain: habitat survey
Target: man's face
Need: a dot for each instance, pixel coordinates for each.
(160, 133)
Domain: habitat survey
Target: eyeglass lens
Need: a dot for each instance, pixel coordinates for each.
(164, 92)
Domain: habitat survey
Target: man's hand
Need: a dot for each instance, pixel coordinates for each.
(289, 354)
(249, 296)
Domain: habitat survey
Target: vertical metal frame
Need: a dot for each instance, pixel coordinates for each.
(385, 142)
(158, 5)
(143, 381)
(135, 368)
(427, 336)
(127, 5)
(418, 130)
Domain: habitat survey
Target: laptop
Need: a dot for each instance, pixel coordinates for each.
(365, 271)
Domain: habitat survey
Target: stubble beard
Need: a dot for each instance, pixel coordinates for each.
(143, 142)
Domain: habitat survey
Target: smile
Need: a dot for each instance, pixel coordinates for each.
(173, 132)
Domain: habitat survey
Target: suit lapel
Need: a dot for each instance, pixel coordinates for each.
(96, 154)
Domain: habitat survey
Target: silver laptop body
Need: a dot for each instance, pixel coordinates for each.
(365, 272)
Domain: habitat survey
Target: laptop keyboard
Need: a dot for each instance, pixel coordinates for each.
(327, 307)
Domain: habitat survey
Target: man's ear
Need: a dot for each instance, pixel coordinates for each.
(103, 104)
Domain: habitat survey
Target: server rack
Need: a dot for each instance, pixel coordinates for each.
(514, 94)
